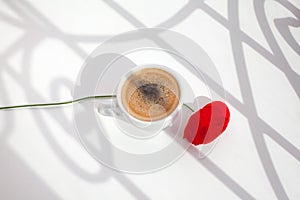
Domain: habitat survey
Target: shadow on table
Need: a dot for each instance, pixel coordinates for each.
(17, 177)
(257, 125)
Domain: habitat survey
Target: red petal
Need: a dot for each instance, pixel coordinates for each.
(190, 131)
(207, 124)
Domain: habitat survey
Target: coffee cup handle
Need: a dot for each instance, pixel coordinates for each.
(109, 108)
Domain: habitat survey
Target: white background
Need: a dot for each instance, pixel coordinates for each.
(43, 45)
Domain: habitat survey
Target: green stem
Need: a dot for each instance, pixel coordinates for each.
(191, 109)
(57, 103)
(67, 102)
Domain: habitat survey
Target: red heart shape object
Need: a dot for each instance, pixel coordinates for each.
(207, 124)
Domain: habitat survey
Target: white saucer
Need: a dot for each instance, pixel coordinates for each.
(101, 135)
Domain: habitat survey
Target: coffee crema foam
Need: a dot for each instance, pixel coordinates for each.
(150, 94)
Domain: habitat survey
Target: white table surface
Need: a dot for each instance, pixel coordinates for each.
(253, 44)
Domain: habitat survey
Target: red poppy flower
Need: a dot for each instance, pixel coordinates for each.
(207, 124)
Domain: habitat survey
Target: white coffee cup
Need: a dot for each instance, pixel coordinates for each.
(117, 108)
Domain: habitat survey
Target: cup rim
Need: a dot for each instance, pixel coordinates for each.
(144, 66)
